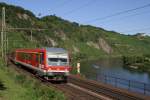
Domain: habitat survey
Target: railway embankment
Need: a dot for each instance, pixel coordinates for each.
(84, 89)
(19, 86)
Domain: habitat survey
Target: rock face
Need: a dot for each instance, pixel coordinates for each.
(50, 41)
(102, 44)
(23, 16)
(75, 49)
(105, 46)
(92, 44)
(61, 34)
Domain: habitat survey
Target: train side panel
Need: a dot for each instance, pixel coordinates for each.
(33, 59)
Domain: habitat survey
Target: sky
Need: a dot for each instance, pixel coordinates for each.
(86, 11)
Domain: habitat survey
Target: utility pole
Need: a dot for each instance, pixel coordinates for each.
(4, 39)
(7, 45)
(31, 34)
(3, 35)
(2, 32)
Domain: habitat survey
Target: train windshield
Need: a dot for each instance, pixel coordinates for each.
(57, 61)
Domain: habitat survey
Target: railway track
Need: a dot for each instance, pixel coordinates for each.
(106, 90)
(72, 91)
(83, 89)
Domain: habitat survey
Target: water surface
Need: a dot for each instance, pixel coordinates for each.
(112, 67)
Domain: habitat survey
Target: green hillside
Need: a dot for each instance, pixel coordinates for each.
(81, 40)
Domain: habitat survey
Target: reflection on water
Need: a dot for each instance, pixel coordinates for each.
(112, 67)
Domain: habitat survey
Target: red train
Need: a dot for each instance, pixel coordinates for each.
(50, 63)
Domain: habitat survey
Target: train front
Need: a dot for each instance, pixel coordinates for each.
(58, 64)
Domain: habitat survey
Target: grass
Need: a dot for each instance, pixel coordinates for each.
(18, 86)
(128, 45)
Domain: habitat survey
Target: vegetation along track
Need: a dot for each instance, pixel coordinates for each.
(83, 89)
(72, 91)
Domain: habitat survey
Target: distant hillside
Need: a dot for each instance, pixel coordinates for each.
(84, 41)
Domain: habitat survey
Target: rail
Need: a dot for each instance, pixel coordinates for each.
(107, 90)
(125, 83)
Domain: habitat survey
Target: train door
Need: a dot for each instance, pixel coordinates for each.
(40, 60)
(33, 63)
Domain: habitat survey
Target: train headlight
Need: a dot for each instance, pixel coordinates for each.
(44, 71)
(49, 69)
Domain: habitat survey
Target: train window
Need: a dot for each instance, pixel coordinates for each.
(57, 61)
(24, 56)
(29, 56)
(21, 56)
(37, 58)
(52, 59)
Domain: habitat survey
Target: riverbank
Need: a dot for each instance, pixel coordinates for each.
(137, 63)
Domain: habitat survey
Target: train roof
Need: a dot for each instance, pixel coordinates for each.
(51, 49)
(56, 50)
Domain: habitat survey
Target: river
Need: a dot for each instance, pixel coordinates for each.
(113, 67)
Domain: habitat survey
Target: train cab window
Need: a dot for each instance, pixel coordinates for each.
(57, 61)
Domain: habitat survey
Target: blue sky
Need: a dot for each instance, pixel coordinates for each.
(82, 11)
